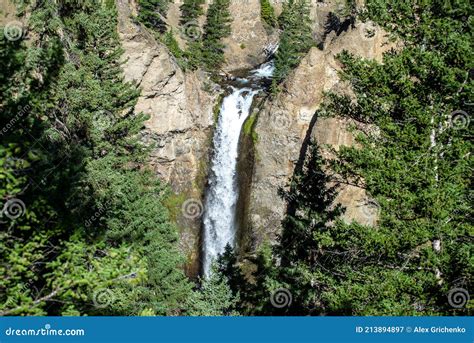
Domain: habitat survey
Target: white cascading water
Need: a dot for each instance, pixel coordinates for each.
(222, 193)
(265, 70)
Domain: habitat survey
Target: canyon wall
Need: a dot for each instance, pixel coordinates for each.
(286, 121)
(180, 124)
(181, 106)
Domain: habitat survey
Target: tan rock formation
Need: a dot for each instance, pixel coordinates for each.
(244, 48)
(286, 120)
(181, 114)
(180, 124)
(7, 12)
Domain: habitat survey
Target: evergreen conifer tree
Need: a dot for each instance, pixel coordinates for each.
(307, 237)
(191, 10)
(296, 38)
(268, 13)
(214, 298)
(152, 13)
(95, 236)
(216, 28)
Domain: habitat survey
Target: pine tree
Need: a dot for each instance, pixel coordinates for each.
(152, 13)
(296, 38)
(191, 10)
(249, 279)
(214, 298)
(216, 28)
(24, 235)
(94, 218)
(267, 13)
(306, 242)
(172, 44)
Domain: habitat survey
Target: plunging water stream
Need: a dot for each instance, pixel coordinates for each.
(223, 191)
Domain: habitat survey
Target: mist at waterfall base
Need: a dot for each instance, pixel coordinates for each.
(222, 193)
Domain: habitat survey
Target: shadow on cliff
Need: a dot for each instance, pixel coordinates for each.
(291, 207)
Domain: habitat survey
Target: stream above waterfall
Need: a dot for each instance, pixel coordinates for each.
(219, 221)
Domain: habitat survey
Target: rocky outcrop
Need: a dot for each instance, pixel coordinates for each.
(244, 48)
(7, 13)
(181, 118)
(286, 121)
(180, 124)
(319, 11)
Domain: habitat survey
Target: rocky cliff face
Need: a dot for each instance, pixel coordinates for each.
(181, 118)
(180, 124)
(244, 48)
(181, 112)
(7, 13)
(286, 121)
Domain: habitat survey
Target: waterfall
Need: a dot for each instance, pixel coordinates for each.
(265, 70)
(222, 193)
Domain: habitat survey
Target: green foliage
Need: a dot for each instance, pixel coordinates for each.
(216, 28)
(413, 165)
(173, 203)
(217, 108)
(191, 10)
(249, 127)
(214, 298)
(194, 54)
(411, 121)
(422, 23)
(152, 13)
(249, 279)
(94, 227)
(173, 46)
(202, 50)
(346, 8)
(25, 216)
(296, 38)
(267, 13)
